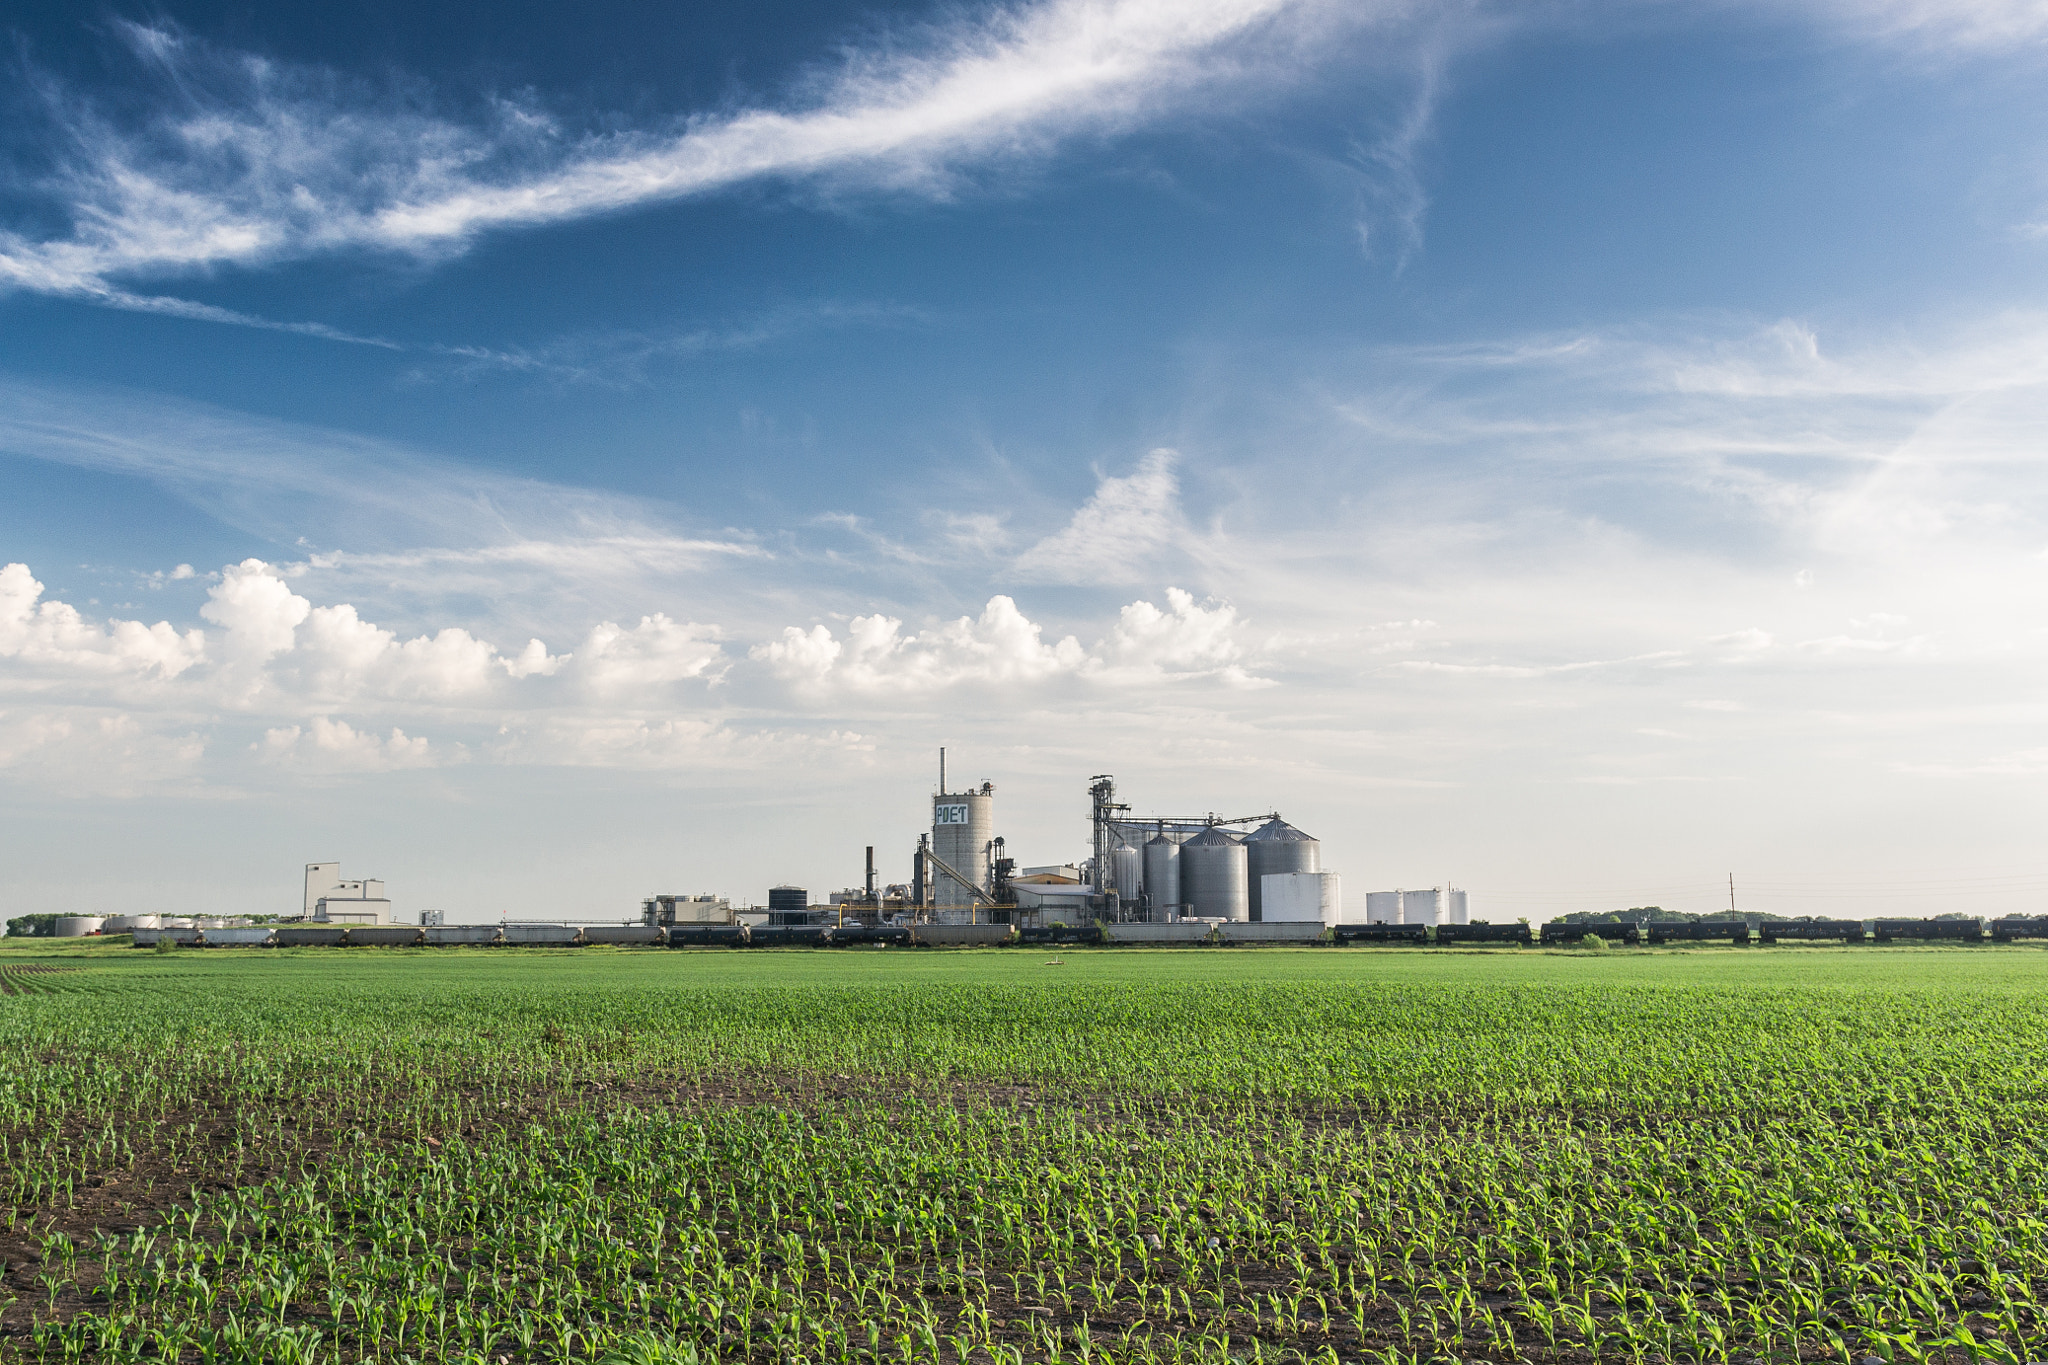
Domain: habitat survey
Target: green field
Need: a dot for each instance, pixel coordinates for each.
(1007, 1155)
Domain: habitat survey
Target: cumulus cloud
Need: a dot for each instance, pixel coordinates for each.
(55, 634)
(655, 652)
(336, 745)
(1002, 646)
(637, 696)
(258, 611)
(1187, 639)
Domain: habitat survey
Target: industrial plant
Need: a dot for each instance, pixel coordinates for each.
(1146, 878)
(1190, 872)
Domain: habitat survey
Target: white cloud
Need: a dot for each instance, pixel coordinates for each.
(658, 651)
(535, 661)
(259, 612)
(55, 634)
(1964, 24)
(1188, 639)
(335, 745)
(252, 161)
(1117, 534)
(1001, 646)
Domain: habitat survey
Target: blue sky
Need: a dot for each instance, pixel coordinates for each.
(1571, 449)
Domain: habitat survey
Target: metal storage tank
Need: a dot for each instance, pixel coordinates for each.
(963, 835)
(78, 926)
(1459, 913)
(1382, 907)
(788, 905)
(1274, 847)
(1302, 898)
(1422, 907)
(1213, 876)
(1162, 874)
(1127, 867)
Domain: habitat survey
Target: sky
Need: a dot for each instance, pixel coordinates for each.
(1581, 451)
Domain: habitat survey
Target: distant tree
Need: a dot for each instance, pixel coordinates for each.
(32, 926)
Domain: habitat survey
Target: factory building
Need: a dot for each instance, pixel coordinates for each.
(661, 911)
(330, 900)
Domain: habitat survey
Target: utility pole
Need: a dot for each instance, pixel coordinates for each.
(1731, 894)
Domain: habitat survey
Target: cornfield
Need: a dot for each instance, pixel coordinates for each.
(998, 1157)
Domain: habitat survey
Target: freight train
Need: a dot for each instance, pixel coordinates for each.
(1187, 933)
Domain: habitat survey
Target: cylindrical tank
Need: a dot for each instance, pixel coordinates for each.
(176, 922)
(1275, 847)
(1127, 865)
(118, 924)
(1460, 912)
(789, 905)
(963, 836)
(1382, 907)
(1162, 874)
(146, 922)
(1213, 876)
(1422, 907)
(1303, 898)
(78, 926)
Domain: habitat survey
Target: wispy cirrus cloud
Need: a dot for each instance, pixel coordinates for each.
(245, 161)
(237, 160)
(623, 359)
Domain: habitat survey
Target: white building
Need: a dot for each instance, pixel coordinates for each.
(331, 900)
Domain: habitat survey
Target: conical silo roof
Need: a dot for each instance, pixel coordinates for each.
(1278, 831)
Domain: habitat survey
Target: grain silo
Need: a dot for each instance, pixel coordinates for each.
(1277, 847)
(1127, 868)
(1213, 876)
(1162, 874)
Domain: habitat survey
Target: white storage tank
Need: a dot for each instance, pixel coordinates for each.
(1277, 846)
(1302, 898)
(1459, 913)
(1422, 907)
(1382, 907)
(1162, 874)
(963, 836)
(1213, 877)
(78, 926)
